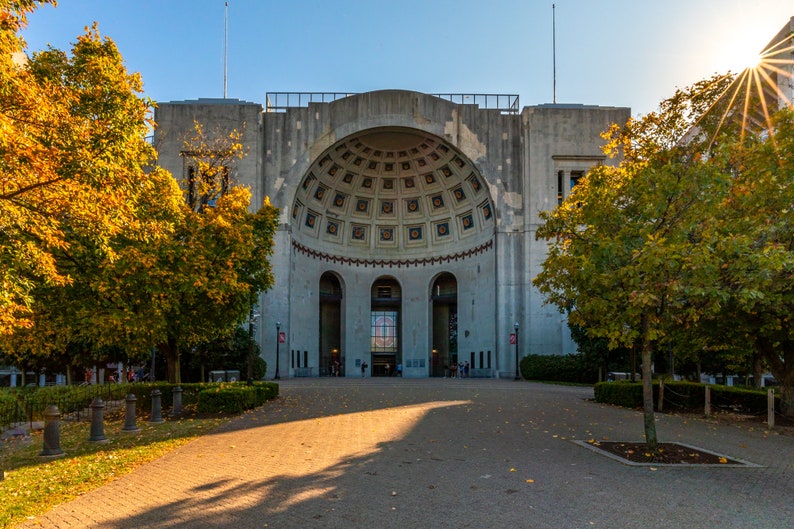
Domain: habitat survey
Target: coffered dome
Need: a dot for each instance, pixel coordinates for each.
(389, 192)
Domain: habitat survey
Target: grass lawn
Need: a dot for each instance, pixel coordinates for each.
(34, 484)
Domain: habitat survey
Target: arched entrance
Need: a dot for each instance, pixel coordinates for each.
(385, 312)
(398, 211)
(444, 352)
(332, 359)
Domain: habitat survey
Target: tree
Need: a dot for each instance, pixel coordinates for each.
(623, 256)
(72, 133)
(753, 242)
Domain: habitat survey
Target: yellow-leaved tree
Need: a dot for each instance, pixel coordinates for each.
(72, 134)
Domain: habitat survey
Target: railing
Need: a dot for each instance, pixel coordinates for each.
(281, 101)
(504, 103)
(29, 403)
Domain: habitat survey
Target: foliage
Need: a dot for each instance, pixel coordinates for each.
(236, 397)
(557, 368)
(226, 353)
(100, 256)
(624, 257)
(684, 397)
(753, 243)
(597, 355)
(72, 133)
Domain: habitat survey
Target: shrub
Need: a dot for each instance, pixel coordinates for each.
(235, 397)
(684, 396)
(568, 368)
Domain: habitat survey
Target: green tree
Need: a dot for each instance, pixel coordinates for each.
(623, 253)
(753, 242)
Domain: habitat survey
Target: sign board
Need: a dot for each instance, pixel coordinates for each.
(512, 338)
(282, 337)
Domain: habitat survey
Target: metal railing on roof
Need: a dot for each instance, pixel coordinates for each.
(281, 101)
(505, 103)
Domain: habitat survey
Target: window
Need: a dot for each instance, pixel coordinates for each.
(383, 334)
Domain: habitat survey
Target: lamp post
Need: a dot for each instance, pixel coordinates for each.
(278, 339)
(515, 326)
(252, 317)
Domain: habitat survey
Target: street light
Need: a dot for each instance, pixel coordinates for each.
(278, 338)
(515, 326)
(252, 317)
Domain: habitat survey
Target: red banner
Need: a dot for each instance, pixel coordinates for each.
(512, 338)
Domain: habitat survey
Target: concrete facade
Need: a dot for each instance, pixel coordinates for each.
(407, 227)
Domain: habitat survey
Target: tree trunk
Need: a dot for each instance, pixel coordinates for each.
(758, 371)
(647, 387)
(171, 352)
(780, 359)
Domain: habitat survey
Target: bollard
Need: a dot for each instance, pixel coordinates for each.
(52, 437)
(707, 402)
(176, 409)
(97, 421)
(129, 417)
(770, 408)
(661, 395)
(157, 411)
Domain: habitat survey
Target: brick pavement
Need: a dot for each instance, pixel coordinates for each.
(440, 453)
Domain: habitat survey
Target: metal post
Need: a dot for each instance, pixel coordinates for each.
(770, 408)
(157, 410)
(278, 337)
(176, 408)
(52, 437)
(97, 421)
(129, 416)
(250, 376)
(515, 326)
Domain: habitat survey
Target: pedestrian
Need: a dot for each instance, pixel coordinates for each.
(363, 369)
(453, 368)
(466, 370)
(388, 370)
(400, 370)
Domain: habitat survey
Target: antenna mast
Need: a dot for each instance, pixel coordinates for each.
(225, 44)
(554, 49)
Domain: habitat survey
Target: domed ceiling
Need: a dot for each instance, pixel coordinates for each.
(393, 191)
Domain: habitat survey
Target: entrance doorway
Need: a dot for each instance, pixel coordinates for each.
(385, 312)
(332, 360)
(444, 352)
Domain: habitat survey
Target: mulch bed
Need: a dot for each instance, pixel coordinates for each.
(667, 454)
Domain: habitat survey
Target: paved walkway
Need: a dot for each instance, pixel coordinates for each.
(389, 453)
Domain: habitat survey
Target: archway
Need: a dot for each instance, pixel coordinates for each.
(444, 352)
(332, 358)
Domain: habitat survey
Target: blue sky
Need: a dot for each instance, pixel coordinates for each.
(609, 52)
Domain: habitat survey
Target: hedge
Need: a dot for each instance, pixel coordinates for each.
(235, 397)
(685, 396)
(558, 368)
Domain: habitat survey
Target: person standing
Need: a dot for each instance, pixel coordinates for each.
(363, 369)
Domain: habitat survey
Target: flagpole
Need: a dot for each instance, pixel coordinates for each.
(225, 44)
(554, 49)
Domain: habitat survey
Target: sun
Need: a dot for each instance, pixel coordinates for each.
(762, 87)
